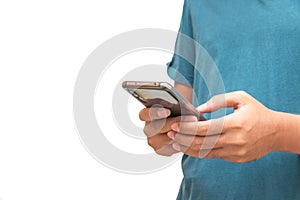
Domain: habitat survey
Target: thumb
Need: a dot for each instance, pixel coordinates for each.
(232, 99)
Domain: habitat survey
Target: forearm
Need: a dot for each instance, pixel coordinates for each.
(185, 91)
(288, 127)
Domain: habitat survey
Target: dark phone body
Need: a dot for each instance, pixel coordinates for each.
(161, 94)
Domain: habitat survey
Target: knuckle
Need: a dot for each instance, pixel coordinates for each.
(154, 127)
(242, 94)
(239, 123)
(142, 114)
(212, 102)
(151, 142)
(204, 128)
(240, 140)
(241, 153)
(216, 101)
(216, 98)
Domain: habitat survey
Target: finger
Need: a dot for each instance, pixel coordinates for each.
(203, 128)
(166, 150)
(197, 142)
(153, 113)
(164, 125)
(198, 153)
(162, 145)
(232, 99)
(159, 141)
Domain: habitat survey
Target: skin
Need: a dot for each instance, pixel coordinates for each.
(248, 134)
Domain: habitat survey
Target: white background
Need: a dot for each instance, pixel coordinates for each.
(42, 47)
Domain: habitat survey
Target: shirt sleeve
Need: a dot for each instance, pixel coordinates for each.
(181, 68)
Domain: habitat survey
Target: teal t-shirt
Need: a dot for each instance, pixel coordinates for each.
(255, 45)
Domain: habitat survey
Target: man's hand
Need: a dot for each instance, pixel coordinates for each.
(245, 135)
(157, 124)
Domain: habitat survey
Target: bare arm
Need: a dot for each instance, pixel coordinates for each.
(242, 138)
(288, 132)
(186, 91)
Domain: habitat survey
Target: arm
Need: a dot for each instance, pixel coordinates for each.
(186, 91)
(288, 132)
(248, 134)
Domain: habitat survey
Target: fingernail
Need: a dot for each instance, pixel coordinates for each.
(163, 113)
(202, 107)
(176, 146)
(171, 135)
(175, 127)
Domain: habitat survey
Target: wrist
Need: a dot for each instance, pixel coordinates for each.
(287, 137)
(279, 124)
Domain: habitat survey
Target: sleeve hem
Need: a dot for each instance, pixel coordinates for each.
(177, 76)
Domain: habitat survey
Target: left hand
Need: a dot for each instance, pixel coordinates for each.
(243, 136)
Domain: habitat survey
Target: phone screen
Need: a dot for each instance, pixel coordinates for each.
(159, 98)
(150, 94)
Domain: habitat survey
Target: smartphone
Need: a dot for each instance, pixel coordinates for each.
(161, 94)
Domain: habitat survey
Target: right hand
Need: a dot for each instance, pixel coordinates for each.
(157, 125)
